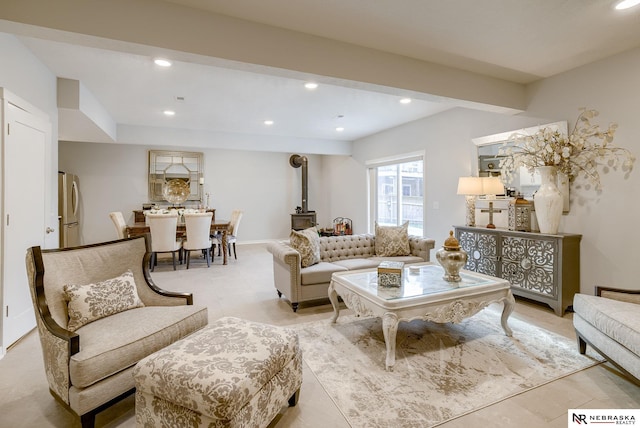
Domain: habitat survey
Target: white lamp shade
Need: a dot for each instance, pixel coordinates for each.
(470, 186)
(492, 186)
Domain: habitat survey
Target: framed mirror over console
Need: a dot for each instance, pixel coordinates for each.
(169, 165)
(525, 183)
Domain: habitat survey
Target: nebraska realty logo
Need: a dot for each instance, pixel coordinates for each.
(582, 417)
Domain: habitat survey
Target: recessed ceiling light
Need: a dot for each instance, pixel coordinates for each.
(162, 62)
(405, 101)
(339, 129)
(268, 122)
(169, 113)
(626, 4)
(311, 85)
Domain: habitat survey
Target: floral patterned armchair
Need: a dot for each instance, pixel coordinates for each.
(98, 313)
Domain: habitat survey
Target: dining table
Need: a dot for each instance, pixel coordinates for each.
(142, 228)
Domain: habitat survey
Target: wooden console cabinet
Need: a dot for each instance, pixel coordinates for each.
(541, 267)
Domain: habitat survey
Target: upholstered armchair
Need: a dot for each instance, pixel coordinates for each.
(90, 346)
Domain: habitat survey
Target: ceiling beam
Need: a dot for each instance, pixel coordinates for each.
(156, 27)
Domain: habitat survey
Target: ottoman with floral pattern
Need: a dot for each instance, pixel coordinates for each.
(232, 373)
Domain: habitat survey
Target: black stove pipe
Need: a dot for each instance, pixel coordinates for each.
(298, 161)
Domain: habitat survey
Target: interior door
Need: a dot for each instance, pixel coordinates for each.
(25, 137)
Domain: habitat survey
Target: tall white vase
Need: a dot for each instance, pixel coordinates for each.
(548, 201)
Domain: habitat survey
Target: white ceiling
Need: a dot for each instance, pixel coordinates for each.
(515, 40)
(135, 92)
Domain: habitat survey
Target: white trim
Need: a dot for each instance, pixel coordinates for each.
(372, 188)
(400, 158)
(505, 136)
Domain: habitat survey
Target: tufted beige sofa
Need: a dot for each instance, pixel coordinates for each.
(337, 254)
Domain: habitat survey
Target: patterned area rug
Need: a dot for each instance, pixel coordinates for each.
(442, 371)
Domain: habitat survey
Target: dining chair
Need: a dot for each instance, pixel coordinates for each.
(198, 227)
(163, 236)
(234, 224)
(121, 226)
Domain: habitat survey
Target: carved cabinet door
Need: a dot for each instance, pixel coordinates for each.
(530, 263)
(482, 250)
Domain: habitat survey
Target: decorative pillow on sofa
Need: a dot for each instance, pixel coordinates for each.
(392, 240)
(90, 302)
(307, 243)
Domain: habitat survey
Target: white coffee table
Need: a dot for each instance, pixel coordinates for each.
(423, 295)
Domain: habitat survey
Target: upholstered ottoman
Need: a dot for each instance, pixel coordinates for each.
(233, 373)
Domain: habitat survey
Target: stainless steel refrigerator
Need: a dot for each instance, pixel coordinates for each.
(68, 202)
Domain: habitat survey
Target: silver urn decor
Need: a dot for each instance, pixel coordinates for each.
(452, 258)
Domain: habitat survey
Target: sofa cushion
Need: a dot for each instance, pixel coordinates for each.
(112, 344)
(358, 263)
(404, 259)
(307, 243)
(319, 273)
(618, 320)
(90, 302)
(392, 240)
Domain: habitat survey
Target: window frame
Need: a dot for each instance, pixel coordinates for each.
(372, 185)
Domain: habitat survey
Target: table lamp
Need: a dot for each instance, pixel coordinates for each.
(492, 186)
(470, 187)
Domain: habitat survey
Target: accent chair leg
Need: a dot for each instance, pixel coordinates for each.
(207, 256)
(173, 255)
(234, 251)
(294, 398)
(88, 420)
(188, 257)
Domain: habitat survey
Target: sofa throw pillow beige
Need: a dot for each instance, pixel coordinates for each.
(392, 240)
(307, 243)
(90, 302)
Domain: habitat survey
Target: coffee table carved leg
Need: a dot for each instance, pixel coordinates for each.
(509, 305)
(333, 297)
(390, 329)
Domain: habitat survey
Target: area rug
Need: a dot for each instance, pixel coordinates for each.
(442, 371)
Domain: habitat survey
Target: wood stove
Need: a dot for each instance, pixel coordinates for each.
(303, 218)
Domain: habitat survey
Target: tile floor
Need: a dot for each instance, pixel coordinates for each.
(244, 288)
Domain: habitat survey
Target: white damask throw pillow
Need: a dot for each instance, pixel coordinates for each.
(392, 240)
(90, 302)
(307, 243)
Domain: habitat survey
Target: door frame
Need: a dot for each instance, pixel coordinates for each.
(40, 121)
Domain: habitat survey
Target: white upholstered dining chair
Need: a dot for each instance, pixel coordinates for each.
(198, 227)
(163, 236)
(234, 224)
(118, 221)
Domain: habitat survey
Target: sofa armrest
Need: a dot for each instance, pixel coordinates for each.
(631, 296)
(421, 247)
(285, 254)
(286, 265)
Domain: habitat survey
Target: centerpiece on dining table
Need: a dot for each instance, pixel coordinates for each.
(580, 157)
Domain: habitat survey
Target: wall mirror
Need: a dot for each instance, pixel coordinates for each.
(168, 165)
(524, 182)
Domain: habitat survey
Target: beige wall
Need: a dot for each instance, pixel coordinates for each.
(113, 177)
(606, 220)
